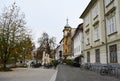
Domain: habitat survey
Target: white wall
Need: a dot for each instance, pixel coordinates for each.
(78, 44)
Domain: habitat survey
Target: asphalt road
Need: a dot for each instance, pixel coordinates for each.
(28, 74)
(67, 73)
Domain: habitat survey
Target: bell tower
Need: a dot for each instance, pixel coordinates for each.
(66, 40)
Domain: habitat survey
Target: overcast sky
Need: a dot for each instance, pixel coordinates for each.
(49, 15)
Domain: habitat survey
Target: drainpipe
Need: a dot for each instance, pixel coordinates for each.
(106, 44)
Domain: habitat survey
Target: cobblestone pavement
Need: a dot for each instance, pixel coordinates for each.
(67, 73)
(28, 74)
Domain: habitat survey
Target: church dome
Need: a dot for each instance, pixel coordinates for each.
(67, 25)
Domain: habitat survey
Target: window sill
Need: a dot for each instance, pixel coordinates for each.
(110, 11)
(97, 40)
(87, 30)
(88, 44)
(87, 25)
(95, 23)
(95, 17)
(112, 33)
(109, 3)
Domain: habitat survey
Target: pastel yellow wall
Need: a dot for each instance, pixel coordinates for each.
(67, 45)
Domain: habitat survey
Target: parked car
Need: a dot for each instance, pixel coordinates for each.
(36, 65)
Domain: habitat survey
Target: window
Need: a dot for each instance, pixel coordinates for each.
(88, 56)
(113, 53)
(87, 40)
(111, 24)
(65, 50)
(60, 54)
(87, 21)
(107, 2)
(96, 32)
(97, 55)
(95, 11)
(65, 42)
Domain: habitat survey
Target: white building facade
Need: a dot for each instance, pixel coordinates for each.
(59, 51)
(78, 43)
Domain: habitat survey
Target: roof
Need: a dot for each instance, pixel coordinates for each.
(67, 25)
(57, 46)
(61, 40)
(90, 5)
(73, 32)
(79, 28)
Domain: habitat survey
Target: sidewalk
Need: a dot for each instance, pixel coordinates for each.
(67, 73)
(29, 74)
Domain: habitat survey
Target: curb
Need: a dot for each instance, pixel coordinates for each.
(53, 78)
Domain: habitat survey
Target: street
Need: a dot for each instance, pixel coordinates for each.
(62, 73)
(68, 73)
(28, 74)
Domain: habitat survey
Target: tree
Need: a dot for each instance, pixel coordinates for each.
(12, 32)
(46, 44)
(23, 49)
(26, 47)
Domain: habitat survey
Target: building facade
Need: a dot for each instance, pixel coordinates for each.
(59, 51)
(101, 29)
(68, 32)
(94, 36)
(78, 44)
(112, 17)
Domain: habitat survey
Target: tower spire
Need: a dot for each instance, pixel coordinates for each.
(67, 25)
(67, 20)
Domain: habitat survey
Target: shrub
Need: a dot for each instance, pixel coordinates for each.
(5, 69)
(55, 62)
(69, 62)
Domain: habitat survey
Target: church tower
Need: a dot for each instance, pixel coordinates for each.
(66, 40)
